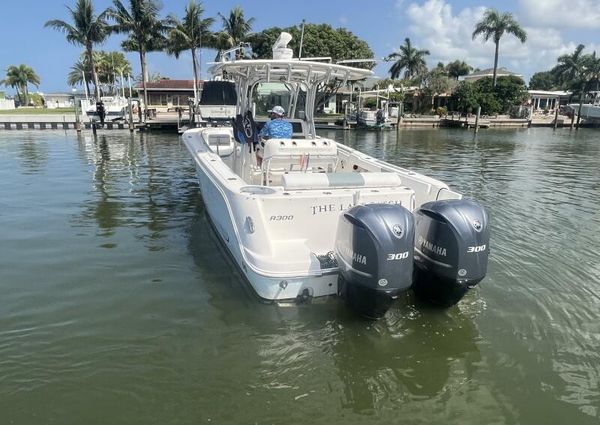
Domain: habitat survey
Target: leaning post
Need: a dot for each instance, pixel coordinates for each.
(556, 118)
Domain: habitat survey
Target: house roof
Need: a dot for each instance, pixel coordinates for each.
(500, 72)
(165, 84)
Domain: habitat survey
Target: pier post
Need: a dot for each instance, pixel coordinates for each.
(477, 119)
(572, 121)
(77, 119)
(579, 112)
(400, 112)
(130, 114)
(556, 118)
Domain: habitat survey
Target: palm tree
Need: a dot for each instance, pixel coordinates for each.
(80, 73)
(569, 67)
(87, 30)
(190, 34)
(409, 59)
(458, 68)
(145, 29)
(18, 77)
(111, 65)
(494, 25)
(236, 26)
(578, 71)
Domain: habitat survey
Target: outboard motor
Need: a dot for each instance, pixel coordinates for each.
(451, 249)
(374, 248)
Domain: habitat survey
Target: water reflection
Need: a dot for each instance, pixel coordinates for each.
(136, 182)
(415, 353)
(33, 153)
(164, 318)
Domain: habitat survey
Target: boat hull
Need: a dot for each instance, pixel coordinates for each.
(298, 288)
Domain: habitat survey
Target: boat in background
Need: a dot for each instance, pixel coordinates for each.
(381, 115)
(115, 108)
(217, 102)
(589, 111)
(317, 218)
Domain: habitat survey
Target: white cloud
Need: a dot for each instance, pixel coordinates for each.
(562, 13)
(447, 34)
(343, 20)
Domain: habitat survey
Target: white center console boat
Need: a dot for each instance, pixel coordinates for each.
(317, 218)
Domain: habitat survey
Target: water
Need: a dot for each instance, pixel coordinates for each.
(118, 305)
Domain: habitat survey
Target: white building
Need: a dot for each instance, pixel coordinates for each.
(58, 100)
(6, 103)
(545, 100)
(500, 72)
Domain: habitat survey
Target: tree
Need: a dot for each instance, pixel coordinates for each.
(191, 34)
(578, 72)
(569, 68)
(591, 70)
(544, 80)
(320, 40)
(80, 73)
(509, 91)
(437, 82)
(465, 97)
(87, 30)
(18, 77)
(458, 68)
(110, 66)
(145, 32)
(409, 59)
(494, 25)
(236, 26)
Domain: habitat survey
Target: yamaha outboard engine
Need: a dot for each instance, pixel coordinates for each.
(451, 249)
(374, 247)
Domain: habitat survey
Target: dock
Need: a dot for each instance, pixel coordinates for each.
(174, 122)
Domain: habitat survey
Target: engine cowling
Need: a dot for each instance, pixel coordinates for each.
(374, 247)
(451, 249)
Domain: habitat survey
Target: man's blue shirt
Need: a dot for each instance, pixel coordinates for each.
(277, 129)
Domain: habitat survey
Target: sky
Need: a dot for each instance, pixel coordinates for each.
(444, 27)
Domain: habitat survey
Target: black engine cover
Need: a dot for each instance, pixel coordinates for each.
(451, 249)
(374, 247)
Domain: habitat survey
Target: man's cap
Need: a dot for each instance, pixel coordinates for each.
(277, 110)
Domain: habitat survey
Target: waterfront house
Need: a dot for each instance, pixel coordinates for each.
(58, 100)
(166, 95)
(546, 100)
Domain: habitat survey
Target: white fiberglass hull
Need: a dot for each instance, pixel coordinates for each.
(115, 109)
(279, 236)
(587, 110)
(276, 288)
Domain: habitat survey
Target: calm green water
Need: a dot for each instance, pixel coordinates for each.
(118, 307)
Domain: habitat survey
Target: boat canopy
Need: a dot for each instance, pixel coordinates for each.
(305, 80)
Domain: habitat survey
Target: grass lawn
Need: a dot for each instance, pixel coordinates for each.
(37, 111)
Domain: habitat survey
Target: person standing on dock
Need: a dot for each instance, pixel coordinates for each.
(101, 112)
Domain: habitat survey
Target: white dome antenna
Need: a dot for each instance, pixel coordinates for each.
(280, 49)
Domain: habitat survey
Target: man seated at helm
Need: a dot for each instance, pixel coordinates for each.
(277, 128)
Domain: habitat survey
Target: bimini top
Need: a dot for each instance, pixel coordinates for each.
(284, 68)
(290, 70)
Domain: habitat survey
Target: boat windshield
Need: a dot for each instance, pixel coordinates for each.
(218, 93)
